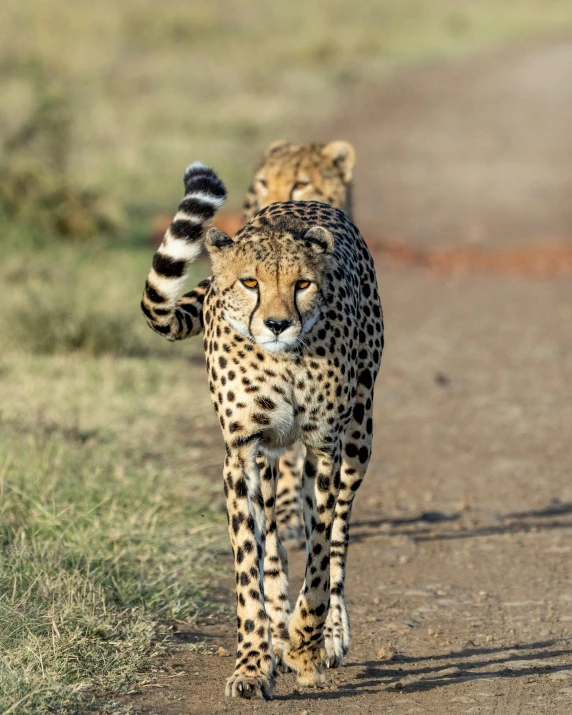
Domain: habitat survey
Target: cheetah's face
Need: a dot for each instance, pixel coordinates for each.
(305, 173)
(272, 292)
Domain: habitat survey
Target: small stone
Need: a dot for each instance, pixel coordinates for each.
(449, 671)
(386, 652)
(442, 380)
(403, 626)
(489, 639)
(404, 682)
(431, 632)
(424, 592)
(376, 601)
(222, 652)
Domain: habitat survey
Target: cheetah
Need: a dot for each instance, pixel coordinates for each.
(310, 172)
(293, 338)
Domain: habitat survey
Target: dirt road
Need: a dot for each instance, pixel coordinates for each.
(460, 575)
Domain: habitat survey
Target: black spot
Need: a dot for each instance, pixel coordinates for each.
(260, 418)
(358, 412)
(240, 488)
(365, 379)
(351, 450)
(310, 469)
(265, 403)
(320, 610)
(249, 625)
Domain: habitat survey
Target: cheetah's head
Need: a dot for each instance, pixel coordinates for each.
(271, 286)
(311, 172)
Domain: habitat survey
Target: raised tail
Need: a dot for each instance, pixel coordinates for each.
(162, 306)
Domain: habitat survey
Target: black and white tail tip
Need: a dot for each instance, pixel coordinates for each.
(205, 193)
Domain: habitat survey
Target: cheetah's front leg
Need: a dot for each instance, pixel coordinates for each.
(319, 491)
(254, 670)
(288, 494)
(276, 590)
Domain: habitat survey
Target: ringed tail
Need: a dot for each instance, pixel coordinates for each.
(166, 311)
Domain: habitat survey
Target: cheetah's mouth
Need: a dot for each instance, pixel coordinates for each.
(288, 341)
(275, 345)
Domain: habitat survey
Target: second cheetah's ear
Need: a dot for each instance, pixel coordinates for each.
(320, 239)
(275, 145)
(344, 157)
(217, 240)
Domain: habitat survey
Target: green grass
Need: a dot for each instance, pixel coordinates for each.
(145, 87)
(111, 512)
(111, 507)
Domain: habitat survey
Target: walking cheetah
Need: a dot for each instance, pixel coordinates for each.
(293, 342)
(311, 172)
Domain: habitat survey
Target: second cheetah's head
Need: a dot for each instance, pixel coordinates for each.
(272, 285)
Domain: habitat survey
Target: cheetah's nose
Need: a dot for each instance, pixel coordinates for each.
(277, 325)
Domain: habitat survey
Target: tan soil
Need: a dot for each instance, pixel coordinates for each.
(460, 582)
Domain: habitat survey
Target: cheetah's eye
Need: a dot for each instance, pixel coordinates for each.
(262, 183)
(251, 283)
(302, 285)
(301, 184)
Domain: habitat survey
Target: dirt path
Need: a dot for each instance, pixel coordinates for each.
(476, 153)
(460, 582)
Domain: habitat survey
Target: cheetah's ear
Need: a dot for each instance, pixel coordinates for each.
(217, 240)
(275, 145)
(320, 239)
(344, 157)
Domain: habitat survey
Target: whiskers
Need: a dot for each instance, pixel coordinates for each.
(300, 341)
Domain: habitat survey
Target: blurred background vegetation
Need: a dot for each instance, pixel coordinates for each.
(110, 521)
(120, 95)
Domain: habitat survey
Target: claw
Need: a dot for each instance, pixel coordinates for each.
(248, 687)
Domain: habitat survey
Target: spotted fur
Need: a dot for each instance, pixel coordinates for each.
(293, 342)
(310, 172)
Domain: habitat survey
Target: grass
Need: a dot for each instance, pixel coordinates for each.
(111, 512)
(146, 87)
(111, 516)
